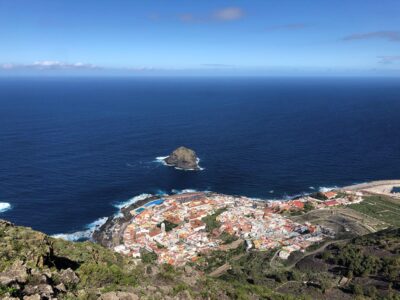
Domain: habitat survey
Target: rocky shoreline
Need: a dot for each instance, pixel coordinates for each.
(34, 266)
(109, 234)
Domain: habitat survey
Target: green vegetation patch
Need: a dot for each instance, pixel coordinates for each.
(168, 225)
(380, 207)
(148, 257)
(227, 238)
(319, 196)
(211, 220)
(209, 262)
(4, 290)
(375, 255)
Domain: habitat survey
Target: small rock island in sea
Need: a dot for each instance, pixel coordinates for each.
(183, 158)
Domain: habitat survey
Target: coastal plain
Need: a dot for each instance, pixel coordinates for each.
(205, 245)
(178, 229)
(218, 234)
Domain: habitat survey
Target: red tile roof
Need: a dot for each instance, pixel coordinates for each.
(331, 203)
(330, 194)
(154, 231)
(298, 204)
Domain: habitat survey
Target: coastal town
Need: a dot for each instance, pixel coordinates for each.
(179, 228)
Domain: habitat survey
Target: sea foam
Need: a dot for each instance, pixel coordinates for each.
(184, 191)
(160, 192)
(84, 234)
(4, 206)
(290, 197)
(87, 233)
(131, 201)
(161, 159)
(324, 189)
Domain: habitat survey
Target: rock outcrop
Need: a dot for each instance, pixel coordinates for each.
(30, 267)
(34, 266)
(183, 158)
(118, 296)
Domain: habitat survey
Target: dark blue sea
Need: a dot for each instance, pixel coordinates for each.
(73, 148)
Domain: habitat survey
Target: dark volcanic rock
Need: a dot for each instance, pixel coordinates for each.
(110, 233)
(183, 158)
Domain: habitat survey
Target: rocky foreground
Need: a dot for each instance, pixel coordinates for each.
(34, 266)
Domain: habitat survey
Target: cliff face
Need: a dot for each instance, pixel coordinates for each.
(183, 158)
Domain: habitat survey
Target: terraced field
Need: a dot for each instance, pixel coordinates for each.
(383, 208)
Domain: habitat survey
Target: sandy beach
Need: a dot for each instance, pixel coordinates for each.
(383, 187)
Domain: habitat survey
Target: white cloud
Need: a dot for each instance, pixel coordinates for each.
(140, 69)
(229, 14)
(389, 59)
(49, 65)
(7, 66)
(53, 65)
(218, 65)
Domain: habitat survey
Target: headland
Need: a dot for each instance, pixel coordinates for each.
(337, 244)
(181, 228)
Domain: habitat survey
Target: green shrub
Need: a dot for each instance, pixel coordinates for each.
(101, 275)
(12, 291)
(168, 225)
(211, 220)
(319, 196)
(168, 273)
(227, 238)
(180, 288)
(147, 256)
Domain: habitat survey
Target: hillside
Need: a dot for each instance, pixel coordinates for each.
(34, 266)
(366, 267)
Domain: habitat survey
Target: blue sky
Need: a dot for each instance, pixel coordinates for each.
(299, 37)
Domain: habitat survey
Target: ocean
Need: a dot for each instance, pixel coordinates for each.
(74, 149)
